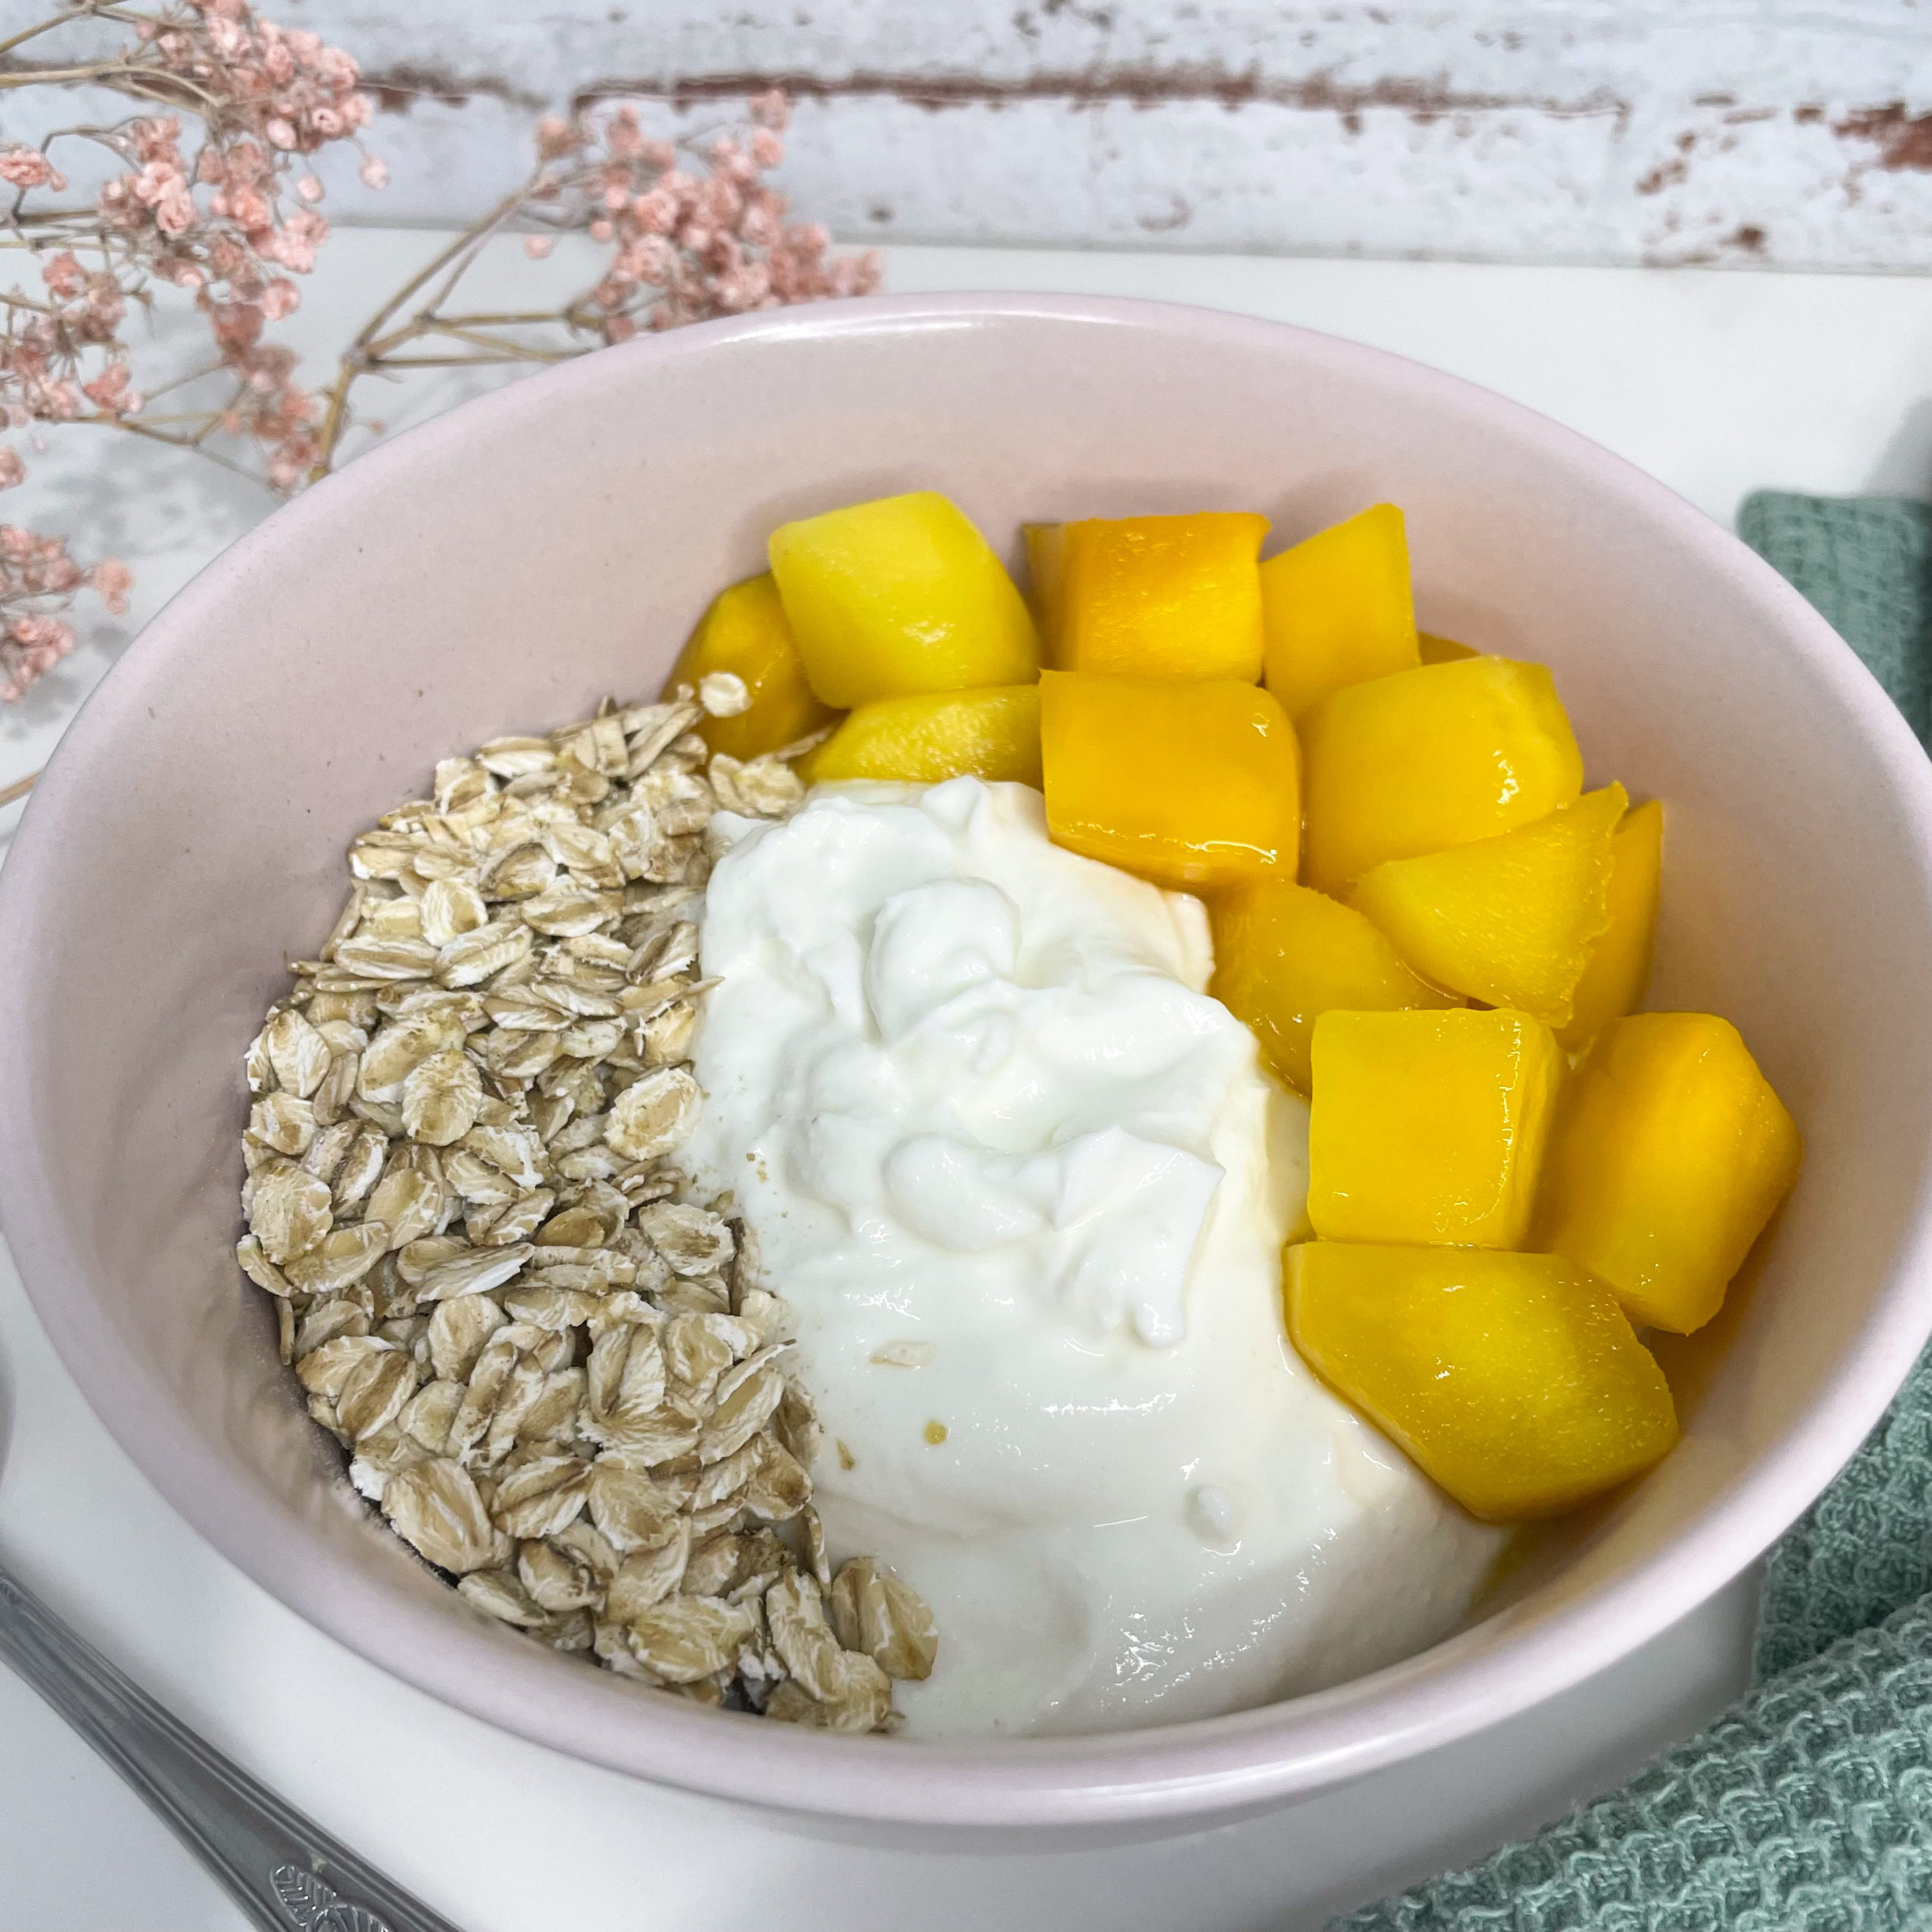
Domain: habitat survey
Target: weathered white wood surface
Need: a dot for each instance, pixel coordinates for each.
(1792, 132)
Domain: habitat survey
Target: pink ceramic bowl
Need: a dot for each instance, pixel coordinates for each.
(502, 568)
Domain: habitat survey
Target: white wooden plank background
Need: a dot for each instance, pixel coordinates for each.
(1795, 133)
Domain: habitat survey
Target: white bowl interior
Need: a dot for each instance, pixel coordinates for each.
(502, 569)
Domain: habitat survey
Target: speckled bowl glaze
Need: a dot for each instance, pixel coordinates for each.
(500, 569)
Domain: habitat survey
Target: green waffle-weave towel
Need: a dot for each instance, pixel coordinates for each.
(1807, 1807)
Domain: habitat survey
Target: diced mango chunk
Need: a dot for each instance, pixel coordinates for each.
(1514, 1380)
(898, 596)
(744, 631)
(993, 733)
(1338, 608)
(1440, 755)
(1284, 955)
(1433, 650)
(1189, 785)
(1510, 921)
(1152, 596)
(1671, 1153)
(1619, 969)
(1430, 1127)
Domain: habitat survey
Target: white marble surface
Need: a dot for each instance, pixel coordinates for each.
(1714, 382)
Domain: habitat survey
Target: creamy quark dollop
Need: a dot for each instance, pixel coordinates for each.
(1025, 1186)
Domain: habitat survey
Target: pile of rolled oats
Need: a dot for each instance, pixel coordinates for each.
(555, 1373)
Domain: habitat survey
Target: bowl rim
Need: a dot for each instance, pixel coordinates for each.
(1245, 1761)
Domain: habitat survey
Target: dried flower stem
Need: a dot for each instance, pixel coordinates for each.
(363, 356)
(688, 244)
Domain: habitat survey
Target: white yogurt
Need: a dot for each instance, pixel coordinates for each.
(1024, 1182)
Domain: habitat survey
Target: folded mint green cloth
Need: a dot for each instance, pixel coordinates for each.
(1807, 1807)
(1866, 563)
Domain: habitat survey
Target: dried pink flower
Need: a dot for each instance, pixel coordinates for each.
(64, 275)
(110, 391)
(112, 580)
(30, 646)
(28, 167)
(38, 581)
(685, 245)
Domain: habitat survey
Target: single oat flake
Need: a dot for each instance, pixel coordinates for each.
(551, 1368)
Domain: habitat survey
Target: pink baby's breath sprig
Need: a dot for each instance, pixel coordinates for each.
(687, 243)
(692, 230)
(202, 197)
(210, 198)
(38, 583)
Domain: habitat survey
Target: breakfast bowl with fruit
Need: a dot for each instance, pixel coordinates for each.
(993, 1063)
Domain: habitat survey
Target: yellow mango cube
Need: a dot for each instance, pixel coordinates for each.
(1510, 921)
(1284, 955)
(1433, 650)
(1429, 1127)
(1515, 1381)
(1152, 596)
(1338, 609)
(992, 732)
(743, 631)
(1441, 755)
(1671, 1153)
(1189, 785)
(1620, 968)
(898, 596)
